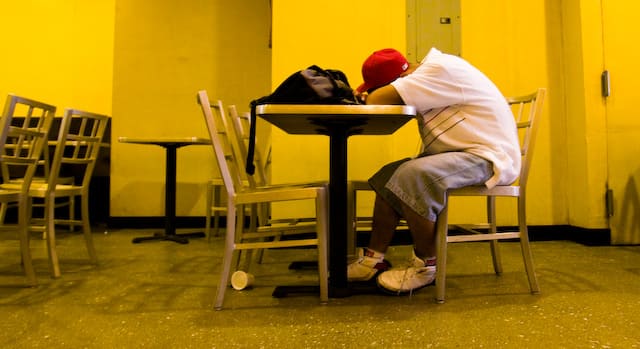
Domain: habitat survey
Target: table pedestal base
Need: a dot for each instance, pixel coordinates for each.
(171, 146)
(179, 238)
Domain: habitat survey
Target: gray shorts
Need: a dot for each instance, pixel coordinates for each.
(421, 182)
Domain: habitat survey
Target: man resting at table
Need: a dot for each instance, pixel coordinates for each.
(469, 137)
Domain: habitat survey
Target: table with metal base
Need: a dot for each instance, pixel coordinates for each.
(171, 146)
(338, 122)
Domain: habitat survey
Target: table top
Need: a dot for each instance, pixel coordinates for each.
(165, 140)
(316, 118)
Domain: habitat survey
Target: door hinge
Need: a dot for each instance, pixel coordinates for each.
(609, 202)
(605, 81)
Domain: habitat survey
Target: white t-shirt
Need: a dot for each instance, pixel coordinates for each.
(460, 109)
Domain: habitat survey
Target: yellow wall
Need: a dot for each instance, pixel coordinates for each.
(142, 62)
(514, 43)
(514, 50)
(165, 51)
(59, 52)
(337, 35)
(586, 119)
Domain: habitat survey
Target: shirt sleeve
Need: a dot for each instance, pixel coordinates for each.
(429, 86)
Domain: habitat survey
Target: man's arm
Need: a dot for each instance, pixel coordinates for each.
(384, 95)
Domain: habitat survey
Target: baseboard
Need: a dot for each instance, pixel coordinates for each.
(588, 237)
(585, 236)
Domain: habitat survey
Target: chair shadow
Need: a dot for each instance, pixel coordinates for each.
(629, 211)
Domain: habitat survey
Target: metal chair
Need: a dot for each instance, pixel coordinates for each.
(21, 145)
(239, 195)
(77, 146)
(527, 110)
(36, 121)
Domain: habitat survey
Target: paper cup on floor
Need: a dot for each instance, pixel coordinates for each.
(241, 280)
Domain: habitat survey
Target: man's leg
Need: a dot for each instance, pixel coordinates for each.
(421, 271)
(423, 232)
(423, 182)
(371, 260)
(385, 221)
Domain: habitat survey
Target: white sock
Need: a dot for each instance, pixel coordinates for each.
(373, 253)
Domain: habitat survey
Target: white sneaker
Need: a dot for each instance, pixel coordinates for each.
(413, 277)
(365, 267)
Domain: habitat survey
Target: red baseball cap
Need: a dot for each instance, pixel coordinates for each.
(382, 68)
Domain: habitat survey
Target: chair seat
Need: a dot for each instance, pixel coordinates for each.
(63, 190)
(498, 190)
(9, 194)
(62, 180)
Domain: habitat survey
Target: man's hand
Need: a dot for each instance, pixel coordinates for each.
(384, 95)
(361, 96)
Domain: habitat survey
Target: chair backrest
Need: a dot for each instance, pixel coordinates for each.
(222, 144)
(78, 144)
(240, 125)
(527, 110)
(25, 126)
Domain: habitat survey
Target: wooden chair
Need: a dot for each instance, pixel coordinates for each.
(527, 110)
(239, 195)
(78, 144)
(21, 145)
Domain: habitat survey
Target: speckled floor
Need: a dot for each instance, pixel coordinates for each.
(160, 295)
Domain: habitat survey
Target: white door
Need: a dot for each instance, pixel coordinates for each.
(622, 61)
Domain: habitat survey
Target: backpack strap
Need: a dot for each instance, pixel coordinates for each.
(251, 168)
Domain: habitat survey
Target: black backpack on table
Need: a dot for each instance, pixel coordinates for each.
(313, 85)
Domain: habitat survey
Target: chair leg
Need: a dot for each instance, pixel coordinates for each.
(246, 254)
(228, 256)
(214, 203)
(27, 263)
(50, 235)
(207, 214)
(495, 251)
(322, 233)
(86, 228)
(526, 248)
(351, 220)
(72, 213)
(255, 211)
(217, 202)
(3, 211)
(442, 227)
